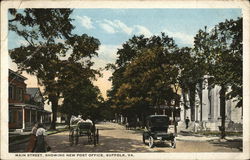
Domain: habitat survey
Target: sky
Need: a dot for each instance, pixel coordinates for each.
(113, 27)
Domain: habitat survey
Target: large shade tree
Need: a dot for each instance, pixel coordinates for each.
(221, 52)
(146, 74)
(81, 97)
(49, 42)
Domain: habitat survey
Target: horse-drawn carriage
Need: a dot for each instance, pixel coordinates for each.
(83, 128)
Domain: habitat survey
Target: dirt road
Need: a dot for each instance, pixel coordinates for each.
(114, 138)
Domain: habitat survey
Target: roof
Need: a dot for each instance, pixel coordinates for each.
(11, 72)
(32, 91)
(28, 106)
(157, 116)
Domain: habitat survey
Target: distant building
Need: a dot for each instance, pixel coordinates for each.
(26, 105)
(209, 115)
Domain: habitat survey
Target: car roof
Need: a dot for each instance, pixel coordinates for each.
(157, 116)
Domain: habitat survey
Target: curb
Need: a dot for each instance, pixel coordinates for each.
(197, 140)
(207, 139)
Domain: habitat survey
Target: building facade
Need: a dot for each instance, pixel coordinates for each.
(208, 114)
(25, 104)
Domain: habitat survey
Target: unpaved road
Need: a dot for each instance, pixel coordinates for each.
(114, 138)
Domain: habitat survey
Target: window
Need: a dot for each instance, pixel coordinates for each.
(20, 116)
(12, 115)
(19, 94)
(27, 115)
(11, 92)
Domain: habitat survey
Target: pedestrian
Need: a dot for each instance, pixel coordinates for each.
(187, 122)
(32, 141)
(40, 136)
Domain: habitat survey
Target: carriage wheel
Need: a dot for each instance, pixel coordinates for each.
(71, 137)
(173, 143)
(94, 136)
(151, 142)
(97, 136)
(89, 134)
(143, 139)
(76, 137)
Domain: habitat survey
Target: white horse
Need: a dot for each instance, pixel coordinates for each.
(75, 120)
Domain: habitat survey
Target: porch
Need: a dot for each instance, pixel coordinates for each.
(23, 116)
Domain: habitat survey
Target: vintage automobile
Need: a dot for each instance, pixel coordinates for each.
(157, 131)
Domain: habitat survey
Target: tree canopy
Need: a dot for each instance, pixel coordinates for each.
(53, 54)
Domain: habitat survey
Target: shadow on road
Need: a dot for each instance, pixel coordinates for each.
(106, 144)
(229, 144)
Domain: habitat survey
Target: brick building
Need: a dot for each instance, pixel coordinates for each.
(26, 105)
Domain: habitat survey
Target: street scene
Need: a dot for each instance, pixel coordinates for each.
(125, 80)
(115, 138)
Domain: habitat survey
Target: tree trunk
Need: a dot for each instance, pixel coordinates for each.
(185, 104)
(200, 96)
(68, 120)
(192, 101)
(54, 101)
(222, 111)
(175, 123)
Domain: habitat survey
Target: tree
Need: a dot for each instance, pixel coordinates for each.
(81, 97)
(147, 75)
(190, 79)
(221, 52)
(49, 38)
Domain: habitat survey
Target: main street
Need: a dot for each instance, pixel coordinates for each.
(115, 138)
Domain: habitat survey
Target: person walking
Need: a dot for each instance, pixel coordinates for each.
(40, 136)
(187, 122)
(32, 141)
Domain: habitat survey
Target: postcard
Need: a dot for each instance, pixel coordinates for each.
(125, 79)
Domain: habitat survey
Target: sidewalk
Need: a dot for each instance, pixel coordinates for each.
(206, 138)
(25, 135)
(191, 136)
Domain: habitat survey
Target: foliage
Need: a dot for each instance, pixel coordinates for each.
(53, 53)
(220, 51)
(79, 93)
(145, 74)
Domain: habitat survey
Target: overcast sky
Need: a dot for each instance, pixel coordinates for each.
(115, 26)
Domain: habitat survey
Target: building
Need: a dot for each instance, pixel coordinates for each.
(26, 105)
(208, 114)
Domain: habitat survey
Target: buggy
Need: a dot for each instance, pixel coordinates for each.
(84, 129)
(157, 130)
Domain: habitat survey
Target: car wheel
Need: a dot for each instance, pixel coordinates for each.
(151, 142)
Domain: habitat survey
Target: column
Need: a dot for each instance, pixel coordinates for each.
(197, 112)
(205, 101)
(36, 117)
(23, 109)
